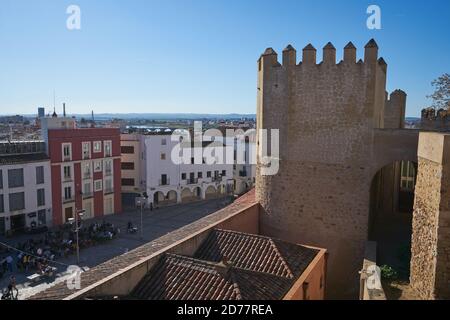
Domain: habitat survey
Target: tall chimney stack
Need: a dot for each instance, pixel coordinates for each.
(64, 110)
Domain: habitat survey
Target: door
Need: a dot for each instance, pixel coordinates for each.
(68, 213)
(18, 223)
(108, 206)
(2, 226)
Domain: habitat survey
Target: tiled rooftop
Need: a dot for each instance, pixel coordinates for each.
(256, 253)
(177, 277)
(60, 290)
(228, 265)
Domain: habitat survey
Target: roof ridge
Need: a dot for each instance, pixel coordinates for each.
(283, 261)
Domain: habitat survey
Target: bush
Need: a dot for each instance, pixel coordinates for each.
(388, 272)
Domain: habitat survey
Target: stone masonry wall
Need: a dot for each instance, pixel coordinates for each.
(425, 221)
(326, 114)
(430, 252)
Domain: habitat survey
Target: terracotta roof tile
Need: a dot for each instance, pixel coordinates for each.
(256, 253)
(228, 265)
(177, 277)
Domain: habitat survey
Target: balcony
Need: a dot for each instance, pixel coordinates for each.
(87, 195)
(108, 172)
(68, 199)
(109, 190)
(165, 182)
(86, 156)
(87, 175)
(67, 179)
(67, 158)
(192, 181)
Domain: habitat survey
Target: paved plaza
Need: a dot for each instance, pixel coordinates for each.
(156, 224)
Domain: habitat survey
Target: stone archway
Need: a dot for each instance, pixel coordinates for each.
(158, 198)
(211, 192)
(187, 195)
(390, 215)
(197, 192)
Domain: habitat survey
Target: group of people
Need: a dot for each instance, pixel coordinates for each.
(37, 254)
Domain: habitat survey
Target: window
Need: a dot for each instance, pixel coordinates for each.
(86, 170)
(86, 150)
(98, 185)
(224, 173)
(200, 175)
(108, 167)
(127, 165)
(183, 176)
(163, 141)
(67, 151)
(41, 197)
(408, 174)
(67, 172)
(1, 179)
(128, 182)
(164, 181)
(67, 193)
(108, 186)
(163, 156)
(2, 204)
(97, 146)
(87, 189)
(42, 217)
(127, 149)
(208, 174)
(40, 175)
(16, 201)
(15, 178)
(97, 166)
(192, 160)
(108, 148)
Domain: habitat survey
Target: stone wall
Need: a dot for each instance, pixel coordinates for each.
(327, 114)
(430, 252)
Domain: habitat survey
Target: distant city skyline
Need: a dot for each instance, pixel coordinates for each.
(198, 56)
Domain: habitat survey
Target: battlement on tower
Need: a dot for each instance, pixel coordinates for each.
(309, 56)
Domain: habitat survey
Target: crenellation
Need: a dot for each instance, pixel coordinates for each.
(329, 54)
(309, 55)
(350, 53)
(382, 64)
(371, 52)
(289, 56)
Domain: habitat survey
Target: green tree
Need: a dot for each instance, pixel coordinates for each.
(441, 95)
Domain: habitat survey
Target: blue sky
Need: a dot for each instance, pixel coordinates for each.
(198, 56)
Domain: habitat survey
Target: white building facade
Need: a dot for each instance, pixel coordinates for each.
(167, 182)
(25, 188)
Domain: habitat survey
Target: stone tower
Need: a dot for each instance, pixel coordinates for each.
(328, 115)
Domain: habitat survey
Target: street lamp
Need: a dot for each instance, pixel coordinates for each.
(140, 202)
(78, 216)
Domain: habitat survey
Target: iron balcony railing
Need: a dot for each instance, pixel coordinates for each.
(165, 182)
(192, 181)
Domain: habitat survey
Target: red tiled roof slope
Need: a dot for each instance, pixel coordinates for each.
(228, 265)
(177, 277)
(256, 253)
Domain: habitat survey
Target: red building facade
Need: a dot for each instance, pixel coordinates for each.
(85, 171)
